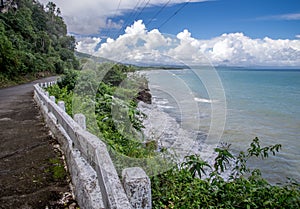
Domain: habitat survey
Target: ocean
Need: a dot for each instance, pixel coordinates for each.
(232, 105)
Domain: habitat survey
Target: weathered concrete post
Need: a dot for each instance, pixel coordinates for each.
(137, 186)
(61, 104)
(80, 119)
(47, 94)
(52, 98)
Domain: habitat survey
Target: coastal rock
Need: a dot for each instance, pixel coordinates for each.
(145, 96)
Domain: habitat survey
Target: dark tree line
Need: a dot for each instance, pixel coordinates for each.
(34, 39)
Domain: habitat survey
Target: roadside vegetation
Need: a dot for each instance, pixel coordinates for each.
(110, 95)
(34, 43)
(227, 183)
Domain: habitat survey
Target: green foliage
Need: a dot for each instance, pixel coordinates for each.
(57, 169)
(195, 165)
(255, 150)
(33, 40)
(62, 94)
(107, 98)
(180, 188)
(223, 158)
(8, 60)
(68, 80)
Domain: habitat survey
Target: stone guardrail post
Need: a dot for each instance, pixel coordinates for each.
(80, 119)
(137, 186)
(52, 98)
(61, 104)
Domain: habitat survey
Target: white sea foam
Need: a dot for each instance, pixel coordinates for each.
(165, 106)
(161, 101)
(203, 100)
(168, 133)
(164, 129)
(161, 127)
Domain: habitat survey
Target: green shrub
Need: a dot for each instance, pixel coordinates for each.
(181, 188)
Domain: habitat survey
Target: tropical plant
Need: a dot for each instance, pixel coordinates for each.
(181, 188)
(195, 165)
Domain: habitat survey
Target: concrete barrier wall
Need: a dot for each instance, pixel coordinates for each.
(96, 182)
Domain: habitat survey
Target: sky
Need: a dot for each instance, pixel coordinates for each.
(222, 32)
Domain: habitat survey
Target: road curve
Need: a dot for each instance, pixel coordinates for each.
(26, 150)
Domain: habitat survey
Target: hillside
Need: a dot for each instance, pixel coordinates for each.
(85, 56)
(34, 42)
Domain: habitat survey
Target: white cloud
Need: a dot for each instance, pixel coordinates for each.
(294, 16)
(137, 28)
(88, 44)
(89, 16)
(297, 36)
(236, 49)
(290, 16)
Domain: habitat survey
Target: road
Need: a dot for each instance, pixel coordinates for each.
(27, 153)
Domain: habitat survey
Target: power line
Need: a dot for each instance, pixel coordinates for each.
(117, 8)
(157, 13)
(143, 9)
(128, 19)
(136, 9)
(115, 14)
(175, 13)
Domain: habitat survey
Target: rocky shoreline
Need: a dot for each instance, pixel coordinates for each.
(167, 133)
(163, 130)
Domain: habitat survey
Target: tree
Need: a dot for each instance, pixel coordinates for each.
(8, 61)
(58, 12)
(51, 7)
(34, 39)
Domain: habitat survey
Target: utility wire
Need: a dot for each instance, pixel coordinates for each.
(115, 14)
(128, 19)
(136, 9)
(175, 13)
(157, 13)
(117, 8)
(142, 9)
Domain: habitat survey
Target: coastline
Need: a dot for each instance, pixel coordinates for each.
(167, 131)
(168, 134)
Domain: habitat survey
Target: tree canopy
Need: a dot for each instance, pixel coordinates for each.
(33, 39)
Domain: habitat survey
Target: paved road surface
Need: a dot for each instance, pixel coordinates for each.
(26, 178)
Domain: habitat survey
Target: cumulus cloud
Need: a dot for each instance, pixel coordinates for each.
(138, 44)
(89, 16)
(88, 44)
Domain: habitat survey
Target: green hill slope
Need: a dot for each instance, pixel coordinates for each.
(34, 42)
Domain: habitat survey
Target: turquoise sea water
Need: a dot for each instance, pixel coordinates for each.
(259, 103)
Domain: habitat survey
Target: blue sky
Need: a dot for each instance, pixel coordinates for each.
(255, 18)
(233, 32)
